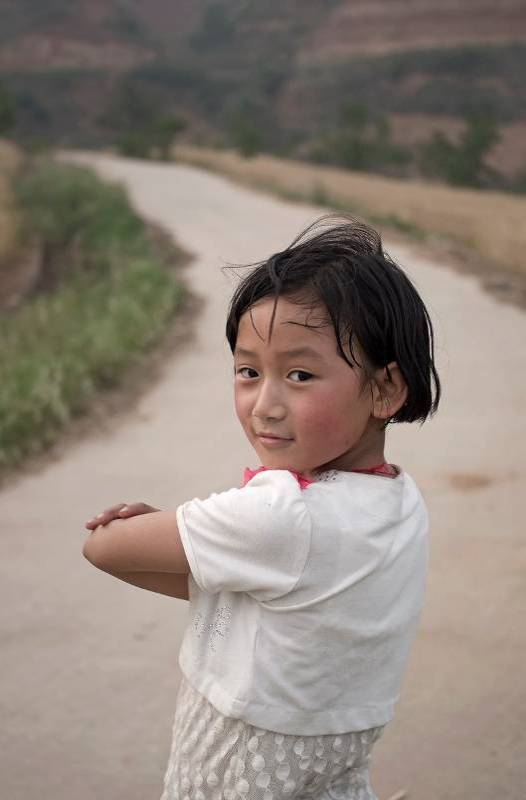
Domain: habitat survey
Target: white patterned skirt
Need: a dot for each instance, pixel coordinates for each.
(214, 757)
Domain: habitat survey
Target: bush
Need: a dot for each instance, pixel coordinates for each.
(216, 29)
(463, 163)
(154, 139)
(69, 208)
(244, 132)
(143, 129)
(7, 111)
(362, 142)
(133, 144)
(246, 137)
(518, 182)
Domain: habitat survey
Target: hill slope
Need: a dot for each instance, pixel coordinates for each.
(289, 66)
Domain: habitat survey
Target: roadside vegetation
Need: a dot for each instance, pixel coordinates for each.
(104, 294)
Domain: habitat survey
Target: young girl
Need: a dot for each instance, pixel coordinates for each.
(307, 581)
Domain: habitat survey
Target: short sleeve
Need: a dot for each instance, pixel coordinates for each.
(255, 539)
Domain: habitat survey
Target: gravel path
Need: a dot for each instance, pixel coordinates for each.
(89, 664)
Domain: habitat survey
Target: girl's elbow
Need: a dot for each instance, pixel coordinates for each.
(91, 552)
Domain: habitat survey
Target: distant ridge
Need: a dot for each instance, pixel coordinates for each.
(291, 66)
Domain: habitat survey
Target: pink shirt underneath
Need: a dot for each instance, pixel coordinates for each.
(386, 469)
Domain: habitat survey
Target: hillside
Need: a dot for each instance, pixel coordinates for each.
(288, 67)
(373, 26)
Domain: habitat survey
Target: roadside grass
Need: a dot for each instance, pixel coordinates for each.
(319, 195)
(488, 223)
(109, 296)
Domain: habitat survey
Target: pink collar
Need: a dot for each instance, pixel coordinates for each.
(389, 470)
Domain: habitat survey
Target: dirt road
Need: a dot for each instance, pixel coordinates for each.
(89, 664)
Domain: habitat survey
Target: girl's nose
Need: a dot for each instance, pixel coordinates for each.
(269, 404)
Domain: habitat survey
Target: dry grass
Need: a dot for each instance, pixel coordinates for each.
(10, 161)
(491, 223)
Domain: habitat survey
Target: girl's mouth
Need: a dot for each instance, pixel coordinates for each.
(273, 441)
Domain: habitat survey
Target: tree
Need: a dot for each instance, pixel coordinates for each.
(131, 107)
(144, 129)
(463, 163)
(362, 141)
(216, 29)
(479, 137)
(352, 144)
(518, 182)
(7, 111)
(244, 130)
(164, 129)
(133, 144)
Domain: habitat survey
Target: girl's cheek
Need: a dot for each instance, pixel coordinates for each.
(241, 404)
(238, 404)
(319, 410)
(326, 420)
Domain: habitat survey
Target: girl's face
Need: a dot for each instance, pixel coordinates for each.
(300, 404)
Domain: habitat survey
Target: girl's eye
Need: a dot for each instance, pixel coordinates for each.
(304, 376)
(240, 371)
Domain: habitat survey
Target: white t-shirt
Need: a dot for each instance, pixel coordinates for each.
(304, 603)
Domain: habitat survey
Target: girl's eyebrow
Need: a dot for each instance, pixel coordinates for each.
(297, 351)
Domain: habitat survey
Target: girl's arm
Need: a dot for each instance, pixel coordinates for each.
(171, 584)
(145, 543)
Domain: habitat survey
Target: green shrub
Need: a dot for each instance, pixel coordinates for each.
(361, 142)
(133, 144)
(66, 203)
(518, 182)
(7, 111)
(243, 123)
(463, 163)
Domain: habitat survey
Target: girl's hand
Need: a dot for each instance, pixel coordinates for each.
(119, 511)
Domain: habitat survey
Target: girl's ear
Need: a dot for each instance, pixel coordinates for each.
(389, 391)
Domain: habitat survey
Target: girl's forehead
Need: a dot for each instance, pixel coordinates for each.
(287, 313)
(292, 323)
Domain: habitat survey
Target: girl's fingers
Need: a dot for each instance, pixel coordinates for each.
(135, 508)
(119, 510)
(105, 516)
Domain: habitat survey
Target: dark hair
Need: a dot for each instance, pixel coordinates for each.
(370, 300)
